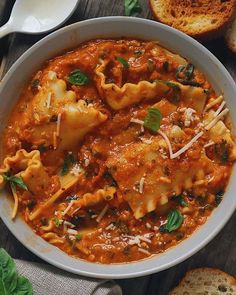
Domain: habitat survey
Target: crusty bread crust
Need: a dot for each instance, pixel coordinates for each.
(230, 36)
(201, 281)
(201, 19)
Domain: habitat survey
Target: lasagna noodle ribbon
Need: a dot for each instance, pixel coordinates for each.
(30, 168)
(129, 94)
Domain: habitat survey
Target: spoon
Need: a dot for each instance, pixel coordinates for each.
(37, 16)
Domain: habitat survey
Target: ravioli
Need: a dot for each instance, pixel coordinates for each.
(54, 118)
(162, 178)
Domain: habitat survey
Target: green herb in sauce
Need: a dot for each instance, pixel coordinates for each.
(153, 119)
(77, 77)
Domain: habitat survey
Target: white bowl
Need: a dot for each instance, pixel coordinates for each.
(68, 38)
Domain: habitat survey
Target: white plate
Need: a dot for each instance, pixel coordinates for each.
(68, 38)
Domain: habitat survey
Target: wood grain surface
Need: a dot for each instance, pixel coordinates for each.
(221, 251)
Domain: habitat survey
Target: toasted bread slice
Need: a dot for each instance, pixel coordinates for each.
(201, 19)
(206, 281)
(231, 36)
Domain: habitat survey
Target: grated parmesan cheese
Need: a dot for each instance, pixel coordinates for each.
(167, 141)
(110, 227)
(216, 119)
(210, 143)
(102, 213)
(54, 140)
(136, 240)
(134, 120)
(72, 231)
(210, 180)
(148, 225)
(86, 162)
(68, 207)
(77, 209)
(214, 102)
(187, 146)
(48, 101)
(147, 141)
(144, 251)
(67, 223)
(141, 185)
(76, 170)
(219, 109)
(188, 115)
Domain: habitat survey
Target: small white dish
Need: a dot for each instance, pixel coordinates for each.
(36, 17)
(114, 27)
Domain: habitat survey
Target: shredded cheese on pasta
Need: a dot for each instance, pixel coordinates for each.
(102, 213)
(216, 119)
(68, 207)
(214, 102)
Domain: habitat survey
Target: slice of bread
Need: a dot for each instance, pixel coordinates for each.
(206, 281)
(201, 19)
(231, 36)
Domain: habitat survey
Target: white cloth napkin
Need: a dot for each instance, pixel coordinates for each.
(48, 280)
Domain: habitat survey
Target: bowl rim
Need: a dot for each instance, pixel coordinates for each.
(127, 272)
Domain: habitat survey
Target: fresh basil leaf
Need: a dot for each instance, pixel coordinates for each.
(78, 78)
(15, 181)
(68, 161)
(180, 200)
(132, 7)
(10, 282)
(78, 237)
(18, 181)
(24, 287)
(174, 220)
(153, 119)
(123, 62)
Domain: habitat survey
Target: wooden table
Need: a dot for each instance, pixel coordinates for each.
(220, 252)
